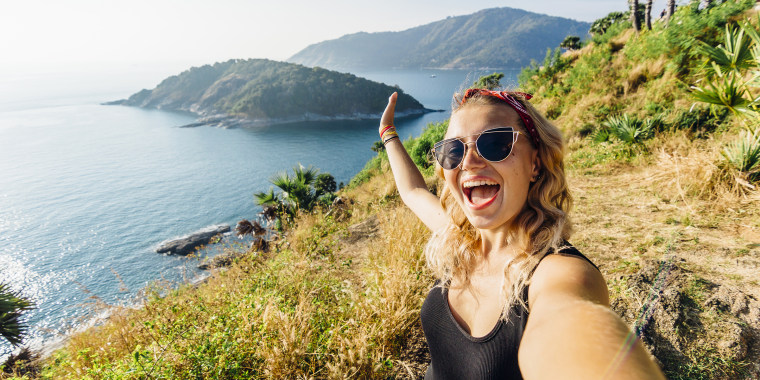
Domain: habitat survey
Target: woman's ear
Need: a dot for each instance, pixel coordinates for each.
(536, 167)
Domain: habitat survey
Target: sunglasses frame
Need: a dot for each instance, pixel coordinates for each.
(515, 134)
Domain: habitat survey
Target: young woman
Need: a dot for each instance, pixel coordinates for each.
(514, 299)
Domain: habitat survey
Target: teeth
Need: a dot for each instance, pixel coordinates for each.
(469, 184)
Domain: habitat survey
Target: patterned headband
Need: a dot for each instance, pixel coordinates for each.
(512, 102)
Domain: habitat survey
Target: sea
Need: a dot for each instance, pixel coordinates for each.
(88, 191)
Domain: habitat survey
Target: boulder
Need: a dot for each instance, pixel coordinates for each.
(188, 243)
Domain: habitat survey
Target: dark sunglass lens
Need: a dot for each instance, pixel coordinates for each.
(495, 146)
(449, 153)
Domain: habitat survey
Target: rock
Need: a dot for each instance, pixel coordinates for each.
(363, 230)
(674, 312)
(188, 243)
(221, 260)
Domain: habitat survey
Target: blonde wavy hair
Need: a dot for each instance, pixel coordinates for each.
(542, 227)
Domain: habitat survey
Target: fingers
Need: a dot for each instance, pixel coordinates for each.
(387, 118)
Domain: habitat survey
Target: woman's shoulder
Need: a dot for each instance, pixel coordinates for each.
(568, 272)
(568, 250)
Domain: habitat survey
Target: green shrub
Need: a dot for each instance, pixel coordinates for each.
(699, 119)
(629, 130)
(744, 154)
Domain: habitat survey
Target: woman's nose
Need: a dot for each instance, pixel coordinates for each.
(471, 157)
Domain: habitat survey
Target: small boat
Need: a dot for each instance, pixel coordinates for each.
(433, 75)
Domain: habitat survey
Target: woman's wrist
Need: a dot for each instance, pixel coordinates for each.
(388, 133)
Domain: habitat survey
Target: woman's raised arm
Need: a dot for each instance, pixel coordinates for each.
(411, 186)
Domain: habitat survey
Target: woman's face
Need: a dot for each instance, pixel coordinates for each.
(491, 194)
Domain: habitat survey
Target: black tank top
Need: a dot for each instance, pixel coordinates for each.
(455, 354)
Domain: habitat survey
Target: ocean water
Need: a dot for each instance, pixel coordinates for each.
(88, 191)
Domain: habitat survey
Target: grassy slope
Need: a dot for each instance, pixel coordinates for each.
(331, 303)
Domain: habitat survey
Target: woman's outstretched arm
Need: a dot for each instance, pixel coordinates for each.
(571, 331)
(411, 186)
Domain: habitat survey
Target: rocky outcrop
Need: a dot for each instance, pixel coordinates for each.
(691, 324)
(188, 243)
(364, 230)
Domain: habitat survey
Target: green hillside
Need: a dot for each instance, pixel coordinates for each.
(498, 37)
(269, 90)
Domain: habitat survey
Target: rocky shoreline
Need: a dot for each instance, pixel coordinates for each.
(231, 122)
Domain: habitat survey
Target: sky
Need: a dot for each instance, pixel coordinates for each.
(194, 32)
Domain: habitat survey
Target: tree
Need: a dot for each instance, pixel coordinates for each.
(648, 15)
(378, 146)
(301, 191)
(671, 7)
(635, 20)
(12, 306)
(571, 43)
(601, 25)
(490, 82)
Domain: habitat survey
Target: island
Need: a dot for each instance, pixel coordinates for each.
(257, 92)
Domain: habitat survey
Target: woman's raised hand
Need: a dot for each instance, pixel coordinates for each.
(387, 118)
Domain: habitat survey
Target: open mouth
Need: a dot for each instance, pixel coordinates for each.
(480, 193)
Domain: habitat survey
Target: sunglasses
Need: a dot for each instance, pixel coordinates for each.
(493, 145)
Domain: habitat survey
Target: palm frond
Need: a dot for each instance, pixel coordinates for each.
(267, 199)
(305, 175)
(729, 92)
(12, 306)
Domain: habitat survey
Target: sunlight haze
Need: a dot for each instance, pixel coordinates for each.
(59, 34)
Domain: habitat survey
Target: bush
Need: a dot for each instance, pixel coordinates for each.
(629, 130)
(743, 155)
(699, 119)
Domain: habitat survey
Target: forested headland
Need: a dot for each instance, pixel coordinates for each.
(260, 90)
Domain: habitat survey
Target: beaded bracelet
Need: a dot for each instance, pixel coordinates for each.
(387, 136)
(387, 127)
(389, 139)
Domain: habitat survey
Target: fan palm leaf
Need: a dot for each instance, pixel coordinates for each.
(12, 306)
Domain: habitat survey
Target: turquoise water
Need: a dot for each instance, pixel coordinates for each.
(88, 191)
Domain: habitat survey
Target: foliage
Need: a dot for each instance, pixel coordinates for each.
(302, 191)
(571, 43)
(490, 82)
(552, 64)
(687, 31)
(12, 307)
(420, 148)
(726, 69)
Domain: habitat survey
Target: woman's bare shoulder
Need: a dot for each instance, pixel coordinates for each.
(568, 277)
